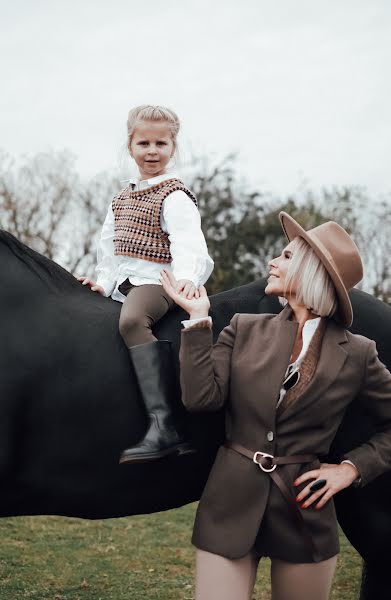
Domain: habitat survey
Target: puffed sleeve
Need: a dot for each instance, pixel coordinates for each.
(374, 456)
(181, 220)
(205, 368)
(106, 260)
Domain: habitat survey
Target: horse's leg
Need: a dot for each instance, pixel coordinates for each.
(364, 515)
(375, 583)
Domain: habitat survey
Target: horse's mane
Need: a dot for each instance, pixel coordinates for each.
(48, 271)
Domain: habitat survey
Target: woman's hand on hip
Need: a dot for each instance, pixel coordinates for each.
(336, 478)
(197, 307)
(93, 287)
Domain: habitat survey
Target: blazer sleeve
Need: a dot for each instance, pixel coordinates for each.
(205, 368)
(374, 456)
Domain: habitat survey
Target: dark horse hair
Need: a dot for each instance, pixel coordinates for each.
(69, 405)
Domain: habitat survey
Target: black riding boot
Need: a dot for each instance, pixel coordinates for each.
(154, 366)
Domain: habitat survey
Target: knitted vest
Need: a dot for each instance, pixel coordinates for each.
(137, 229)
(307, 367)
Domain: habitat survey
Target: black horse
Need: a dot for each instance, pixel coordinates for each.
(69, 405)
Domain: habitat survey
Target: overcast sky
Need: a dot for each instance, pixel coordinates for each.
(299, 88)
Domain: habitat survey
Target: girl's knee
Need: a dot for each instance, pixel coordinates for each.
(130, 326)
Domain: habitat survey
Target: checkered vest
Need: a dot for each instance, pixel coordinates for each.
(137, 230)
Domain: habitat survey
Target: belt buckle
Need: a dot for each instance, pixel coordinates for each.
(265, 455)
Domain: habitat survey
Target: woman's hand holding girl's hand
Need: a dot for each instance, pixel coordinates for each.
(187, 289)
(91, 285)
(337, 477)
(197, 307)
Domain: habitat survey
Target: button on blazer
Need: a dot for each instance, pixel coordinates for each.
(243, 372)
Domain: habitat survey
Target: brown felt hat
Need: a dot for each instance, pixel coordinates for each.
(339, 255)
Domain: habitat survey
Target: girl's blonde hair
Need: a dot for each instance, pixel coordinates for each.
(148, 112)
(314, 287)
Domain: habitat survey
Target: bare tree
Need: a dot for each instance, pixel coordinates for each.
(90, 208)
(377, 250)
(35, 197)
(45, 205)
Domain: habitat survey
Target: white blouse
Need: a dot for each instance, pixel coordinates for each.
(181, 219)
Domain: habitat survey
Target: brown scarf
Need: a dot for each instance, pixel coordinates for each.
(307, 367)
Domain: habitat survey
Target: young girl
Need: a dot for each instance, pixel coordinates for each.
(151, 224)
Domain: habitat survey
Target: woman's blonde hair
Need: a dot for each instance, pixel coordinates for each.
(149, 112)
(314, 287)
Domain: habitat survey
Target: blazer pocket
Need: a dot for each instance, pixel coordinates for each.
(231, 478)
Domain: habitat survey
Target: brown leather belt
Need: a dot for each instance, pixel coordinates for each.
(268, 463)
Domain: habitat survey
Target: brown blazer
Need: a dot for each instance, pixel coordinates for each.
(243, 372)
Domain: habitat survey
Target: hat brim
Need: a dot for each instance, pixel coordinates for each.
(292, 229)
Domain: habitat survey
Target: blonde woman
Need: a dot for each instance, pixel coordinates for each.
(284, 382)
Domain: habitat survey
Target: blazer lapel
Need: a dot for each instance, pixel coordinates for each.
(278, 346)
(331, 360)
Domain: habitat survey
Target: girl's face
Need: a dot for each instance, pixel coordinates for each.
(152, 147)
(278, 268)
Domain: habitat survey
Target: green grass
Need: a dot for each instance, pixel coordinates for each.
(134, 558)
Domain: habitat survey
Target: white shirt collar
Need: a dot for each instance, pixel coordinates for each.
(307, 333)
(146, 183)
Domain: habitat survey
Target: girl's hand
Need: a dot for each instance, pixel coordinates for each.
(91, 285)
(338, 477)
(196, 307)
(187, 289)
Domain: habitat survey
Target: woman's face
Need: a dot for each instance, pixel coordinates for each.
(152, 147)
(278, 268)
